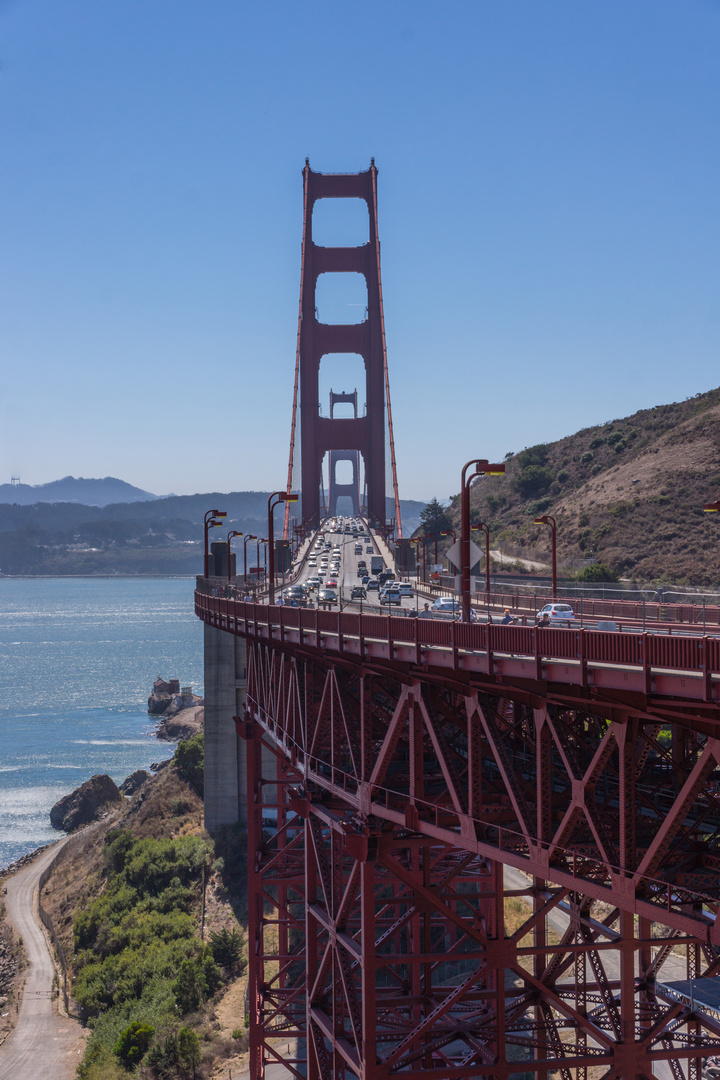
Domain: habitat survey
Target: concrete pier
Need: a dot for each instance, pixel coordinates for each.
(225, 689)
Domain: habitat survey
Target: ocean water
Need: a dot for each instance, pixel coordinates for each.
(78, 657)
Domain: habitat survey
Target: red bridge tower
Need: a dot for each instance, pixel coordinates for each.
(358, 437)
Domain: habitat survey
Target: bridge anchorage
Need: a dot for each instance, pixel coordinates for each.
(474, 850)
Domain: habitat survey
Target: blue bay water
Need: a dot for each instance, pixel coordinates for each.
(78, 657)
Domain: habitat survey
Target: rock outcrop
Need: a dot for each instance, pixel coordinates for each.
(182, 725)
(169, 698)
(85, 804)
(135, 781)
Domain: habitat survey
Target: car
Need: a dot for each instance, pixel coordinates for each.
(368, 550)
(312, 562)
(406, 589)
(295, 596)
(371, 583)
(385, 577)
(357, 549)
(365, 579)
(391, 596)
(358, 593)
(331, 583)
(447, 604)
(313, 582)
(327, 596)
(560, 614)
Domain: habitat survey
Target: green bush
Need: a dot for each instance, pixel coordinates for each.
(563, 476)
(597, 442)
(189, 761)
(534, 455)
(598, 572)
(533, 480)
(132, 1045)
(587, 457)
(615, 438)
(226, 947)
(596, 469)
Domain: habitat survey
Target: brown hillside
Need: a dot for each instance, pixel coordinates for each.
(629, 493)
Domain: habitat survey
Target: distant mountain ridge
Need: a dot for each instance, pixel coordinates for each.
(75, 489)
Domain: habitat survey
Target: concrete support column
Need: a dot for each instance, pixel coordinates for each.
(225, 688)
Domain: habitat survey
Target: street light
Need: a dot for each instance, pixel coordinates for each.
(547, 520)
(480, 467)
(248, 537)
(259, 541)
(210, 523)
(280, 497)
(233, 532)
(486, 529)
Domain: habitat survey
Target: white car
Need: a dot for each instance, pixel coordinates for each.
(405, 589)
(559, 614)
(446, 603)
(391, 595)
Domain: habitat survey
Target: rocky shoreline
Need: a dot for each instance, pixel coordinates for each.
(181, 715)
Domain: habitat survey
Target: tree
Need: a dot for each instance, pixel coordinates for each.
(188, 1048)
(226, 947)
(598, 572)
(132, 1045)
(435, 518)
(190, 761)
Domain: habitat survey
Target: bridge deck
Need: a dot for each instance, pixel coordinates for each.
(682, 668)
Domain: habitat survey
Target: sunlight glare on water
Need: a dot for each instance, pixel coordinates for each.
(78, 657)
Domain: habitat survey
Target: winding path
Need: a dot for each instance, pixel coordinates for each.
(43, 1044)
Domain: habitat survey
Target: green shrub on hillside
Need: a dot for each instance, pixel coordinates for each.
(533, 480)
(598, 572)
(189, 761)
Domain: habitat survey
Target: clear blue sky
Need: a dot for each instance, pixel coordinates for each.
(549, 185)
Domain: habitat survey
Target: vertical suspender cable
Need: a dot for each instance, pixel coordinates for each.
(293, 425)
(398, 521)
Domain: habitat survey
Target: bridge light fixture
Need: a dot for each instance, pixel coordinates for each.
(210, 522)
(479, 467)
(233, 532)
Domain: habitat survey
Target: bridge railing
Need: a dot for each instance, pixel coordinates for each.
(352, 631)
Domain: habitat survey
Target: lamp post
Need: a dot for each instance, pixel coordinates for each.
(233, 532)
(486, 529)
(480, 467)
(547, 520)
(209, 522)
(280, 497)
(249, 536)
(265, 551)
(257, 557)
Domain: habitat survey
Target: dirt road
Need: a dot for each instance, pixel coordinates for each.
(43, 1044)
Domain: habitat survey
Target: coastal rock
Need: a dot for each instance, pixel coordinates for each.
(135, 781)
(182, 725)
(85, 804)
(169, 698)
(162, 694)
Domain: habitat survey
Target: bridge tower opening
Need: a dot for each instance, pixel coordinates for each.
(359, 439)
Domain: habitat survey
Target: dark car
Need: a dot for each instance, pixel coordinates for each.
(371, 584)
(358, 593)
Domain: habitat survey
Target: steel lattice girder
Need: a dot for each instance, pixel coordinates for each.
(398, 804)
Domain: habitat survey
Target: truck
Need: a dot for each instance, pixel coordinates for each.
(376, 564)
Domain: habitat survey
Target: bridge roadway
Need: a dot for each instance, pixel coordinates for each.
(420, 765)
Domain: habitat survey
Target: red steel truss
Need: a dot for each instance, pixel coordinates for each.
(454, 874)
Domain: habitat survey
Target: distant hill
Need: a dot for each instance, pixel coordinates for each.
(155, 536)
(74, 489)
(630, 493)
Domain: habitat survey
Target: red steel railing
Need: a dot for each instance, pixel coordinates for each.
(479, 643)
